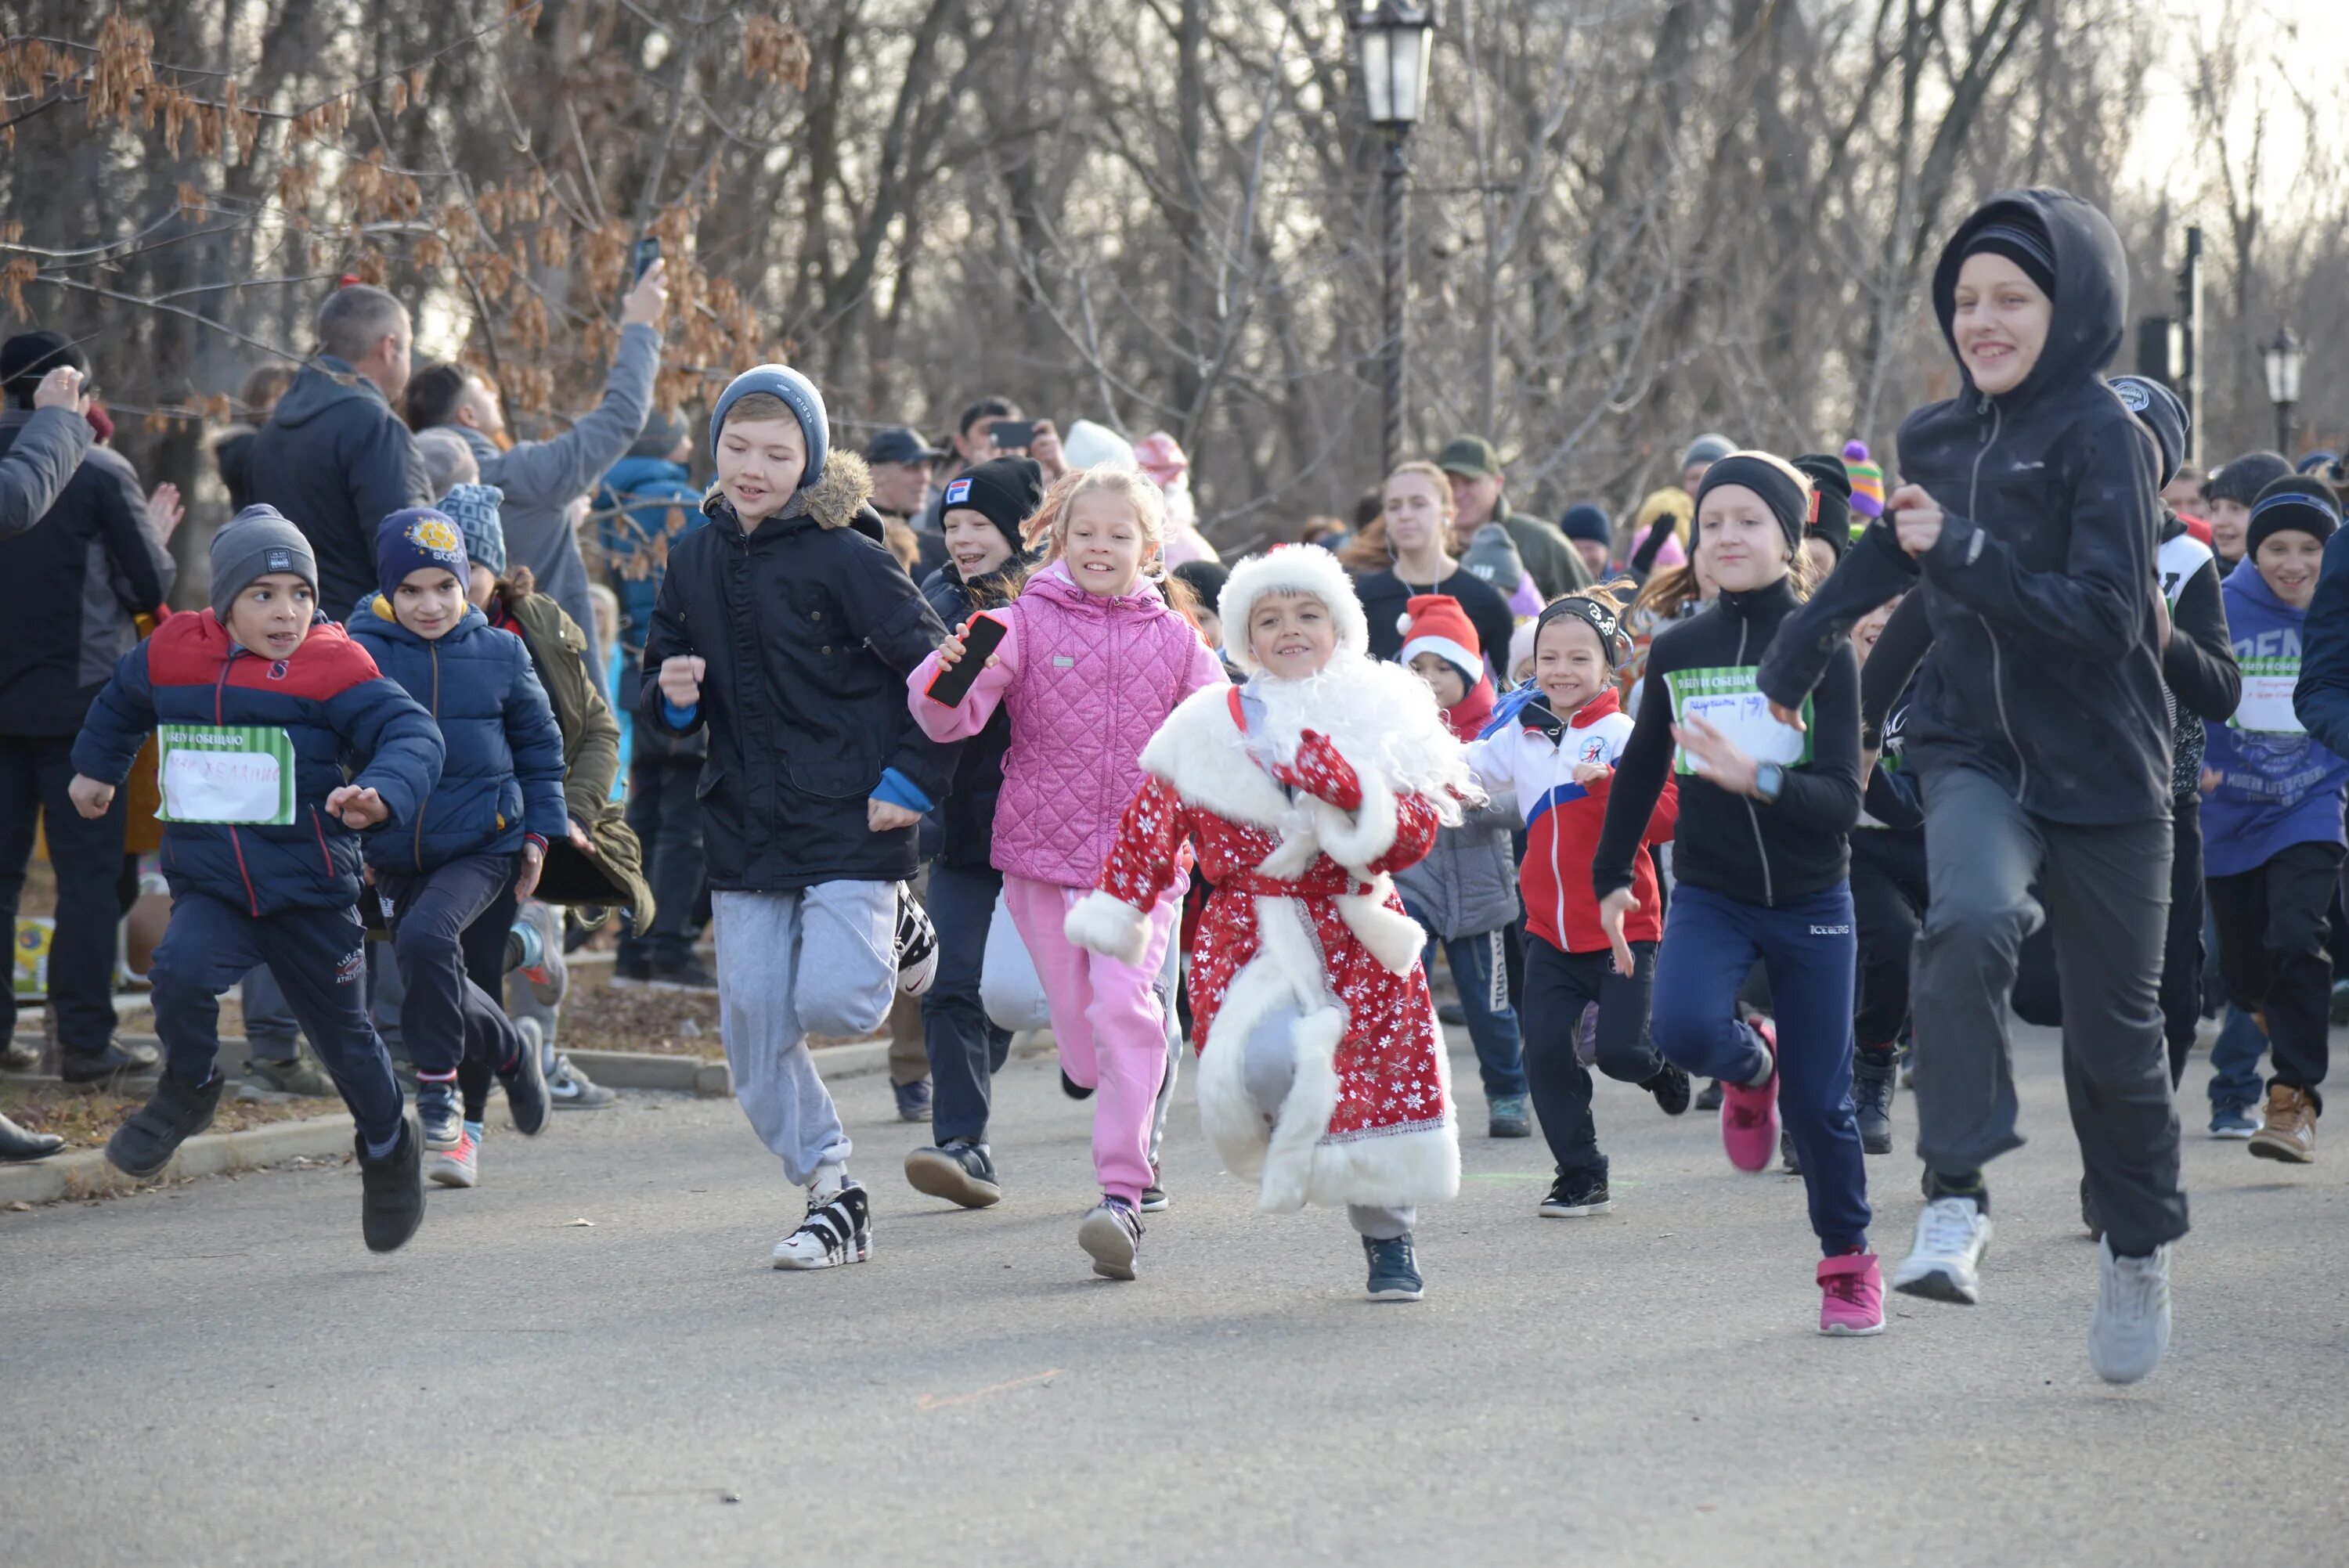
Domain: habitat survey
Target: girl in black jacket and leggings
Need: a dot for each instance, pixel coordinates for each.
(1760, 856)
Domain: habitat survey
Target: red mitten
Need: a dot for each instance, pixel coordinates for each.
(1321, 772)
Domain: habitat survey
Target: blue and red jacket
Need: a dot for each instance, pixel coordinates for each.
(335, 707)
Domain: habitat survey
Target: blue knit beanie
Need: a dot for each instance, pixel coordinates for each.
(474, 509)
(798, 394)
(1583, 521)
(413, 539)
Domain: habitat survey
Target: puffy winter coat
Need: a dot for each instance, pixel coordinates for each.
(1088, 679)
(335, 707)
(337, 461)
(969, 809)
(1467, 885)
(810, 627)
(501, 775)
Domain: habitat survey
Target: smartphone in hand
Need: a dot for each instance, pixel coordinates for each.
(1013, 434)
(981, 639)
(640, 260)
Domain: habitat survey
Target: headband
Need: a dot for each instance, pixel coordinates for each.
(1591, 614)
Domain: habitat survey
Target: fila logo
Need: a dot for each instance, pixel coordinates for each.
(957, 492)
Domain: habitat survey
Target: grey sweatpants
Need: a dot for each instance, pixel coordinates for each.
(1269, 1069)
(2108, 892)
(823, 961)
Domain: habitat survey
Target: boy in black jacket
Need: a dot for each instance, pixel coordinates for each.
(2041, 733)
(788, 630)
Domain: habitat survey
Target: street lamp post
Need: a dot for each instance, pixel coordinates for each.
(1394, 41)
(2283, 358)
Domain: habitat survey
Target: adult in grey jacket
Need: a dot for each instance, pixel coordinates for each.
(49, 446)
(542, 479)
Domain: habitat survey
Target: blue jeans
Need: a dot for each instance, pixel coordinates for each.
(966, 1049)
(2235, 1062)
(1480, 972)
(1809, 949)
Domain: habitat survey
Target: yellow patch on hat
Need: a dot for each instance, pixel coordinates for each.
(432, 534)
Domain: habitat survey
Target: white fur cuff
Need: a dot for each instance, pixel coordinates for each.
(1355, 840)
(1109, 926)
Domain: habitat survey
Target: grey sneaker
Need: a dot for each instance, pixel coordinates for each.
(548, 978)
(275, 1083)
(2131, 1328)
(1111, 1235)
(1508, 1117)
(1394, 1270)
(568, 1088)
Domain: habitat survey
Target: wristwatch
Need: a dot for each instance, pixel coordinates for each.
(1768, 780)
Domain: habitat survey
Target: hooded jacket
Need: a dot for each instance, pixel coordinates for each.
(71, 587)
(1555, 565)
(970, 807)
(809, 627)
(2044, 672)
(336, 708)
(2278, 785)
(501, 767)
(337, 461)
(2321, 697)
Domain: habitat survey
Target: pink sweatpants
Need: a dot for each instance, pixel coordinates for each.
(1107, 1021)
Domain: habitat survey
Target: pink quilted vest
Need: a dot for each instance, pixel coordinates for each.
(1097, 677)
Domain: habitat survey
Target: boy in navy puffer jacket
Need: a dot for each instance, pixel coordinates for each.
(484, 828)
(259, 701)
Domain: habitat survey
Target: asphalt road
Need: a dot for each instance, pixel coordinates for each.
(221, 1374)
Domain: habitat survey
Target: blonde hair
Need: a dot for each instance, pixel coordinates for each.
(1048, 529)
(756, 406)
(1368, 550)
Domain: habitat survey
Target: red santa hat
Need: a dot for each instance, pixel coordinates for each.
(1305, 569)
(1435, 623)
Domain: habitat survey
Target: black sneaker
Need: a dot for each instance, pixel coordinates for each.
(1072, 1088)
(1112, 1236)
(632, 974)
(1787, 1155)
(1394, 1270)
(1671, 1087)
(524, 1078)
(115, 1060)
(1572, 1197)
(958, 1171)
(1154, 1197)
(837, 1231)
(174, 1113)
(1709, 1097)
(1873, 1076)
(391, 1191)
(685, 975)
(917, 944)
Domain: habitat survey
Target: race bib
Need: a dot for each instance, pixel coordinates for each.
(2266, 707)
(1728, 699)
(225, 773)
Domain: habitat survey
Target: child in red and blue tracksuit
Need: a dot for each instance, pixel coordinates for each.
(265, 869)
(485, 828)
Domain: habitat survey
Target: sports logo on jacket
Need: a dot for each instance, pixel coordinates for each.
(277, 671)
(1594, 749)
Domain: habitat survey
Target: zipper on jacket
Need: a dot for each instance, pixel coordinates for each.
(1556, 877)
(1761, 848)
(434, 649)
(252, 899)
(324, 853)
(1997, 662)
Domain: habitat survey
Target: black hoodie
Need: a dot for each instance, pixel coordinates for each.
(2044, 672)
(337, 461)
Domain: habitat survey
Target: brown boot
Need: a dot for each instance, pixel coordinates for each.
(2290, 1130)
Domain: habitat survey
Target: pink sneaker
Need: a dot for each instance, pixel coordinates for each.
(1851, 1294)
(1749, 1117)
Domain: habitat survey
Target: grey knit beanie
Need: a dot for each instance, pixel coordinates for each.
(253, 543)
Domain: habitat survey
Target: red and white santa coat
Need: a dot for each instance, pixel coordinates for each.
(1305, 921)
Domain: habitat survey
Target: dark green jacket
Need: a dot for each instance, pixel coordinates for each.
(1555, 565)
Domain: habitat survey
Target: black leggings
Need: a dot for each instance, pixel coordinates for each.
(485, 946)
(1889, 896)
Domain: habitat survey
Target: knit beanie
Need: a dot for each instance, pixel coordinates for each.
(1781, 487)
(253, 543)
(798, 394)
(1707, 448)
(1585, 521)
(1162, 458)
(1435, 623)
(2018, 236)
(2242, 479)
(664, 429)
(474, 509)
(414, 539)
(2296, 501)
(1829, 518)
(2163, 414)
(29, 356)
(1867, 476)
(1007, 491)
(1204, 578)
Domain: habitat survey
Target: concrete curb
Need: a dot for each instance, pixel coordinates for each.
(85, 1174)
(713, 1078)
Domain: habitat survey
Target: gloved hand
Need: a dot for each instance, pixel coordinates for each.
(1321, 772)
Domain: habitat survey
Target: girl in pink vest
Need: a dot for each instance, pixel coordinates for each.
(1092, 662)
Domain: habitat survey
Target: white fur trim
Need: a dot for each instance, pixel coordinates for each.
(1290, 569)
(1202, 753)
(1108, 926)
(1471, 665)
(1355, 839)
(1395, 939)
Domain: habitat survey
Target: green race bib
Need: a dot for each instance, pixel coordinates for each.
(225, 773)
(1728, 699)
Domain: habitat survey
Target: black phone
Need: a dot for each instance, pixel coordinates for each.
(981, 637)
(1013, 434)
(641, 260)
(1537, 713)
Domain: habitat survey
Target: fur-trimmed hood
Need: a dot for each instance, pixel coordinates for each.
(835, 501)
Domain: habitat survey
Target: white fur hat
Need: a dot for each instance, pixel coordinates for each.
(1290, 569)
(1086, 445)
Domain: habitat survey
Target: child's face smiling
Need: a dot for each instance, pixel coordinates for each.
(976, 546)
(272, 615)
(2288, 561)
(1103, 544)
(1291, 634)
(2000, 320)
(1441, 678)
(430, 602)
(1570, 666)
(759, 462)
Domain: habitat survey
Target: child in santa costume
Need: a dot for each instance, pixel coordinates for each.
(1321, 1071)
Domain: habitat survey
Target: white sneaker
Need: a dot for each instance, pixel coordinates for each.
(1945, 1263)
(459, 1165)
(2131, 1328)
(837, 1229)
(917, 944)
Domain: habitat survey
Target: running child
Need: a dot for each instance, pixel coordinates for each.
(259, 699)
(1557, 753)
(1322, 1070)
(1093, 660)
(1761, 869)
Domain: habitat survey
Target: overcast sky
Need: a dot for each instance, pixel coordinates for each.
(2306, 33)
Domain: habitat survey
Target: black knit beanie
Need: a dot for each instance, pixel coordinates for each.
(2296, 502)
(1831, 513)
(2163, 414)
(29, 356)
(2242, 479)
(1004, 491)
(2022, 239)
(1776, 480)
